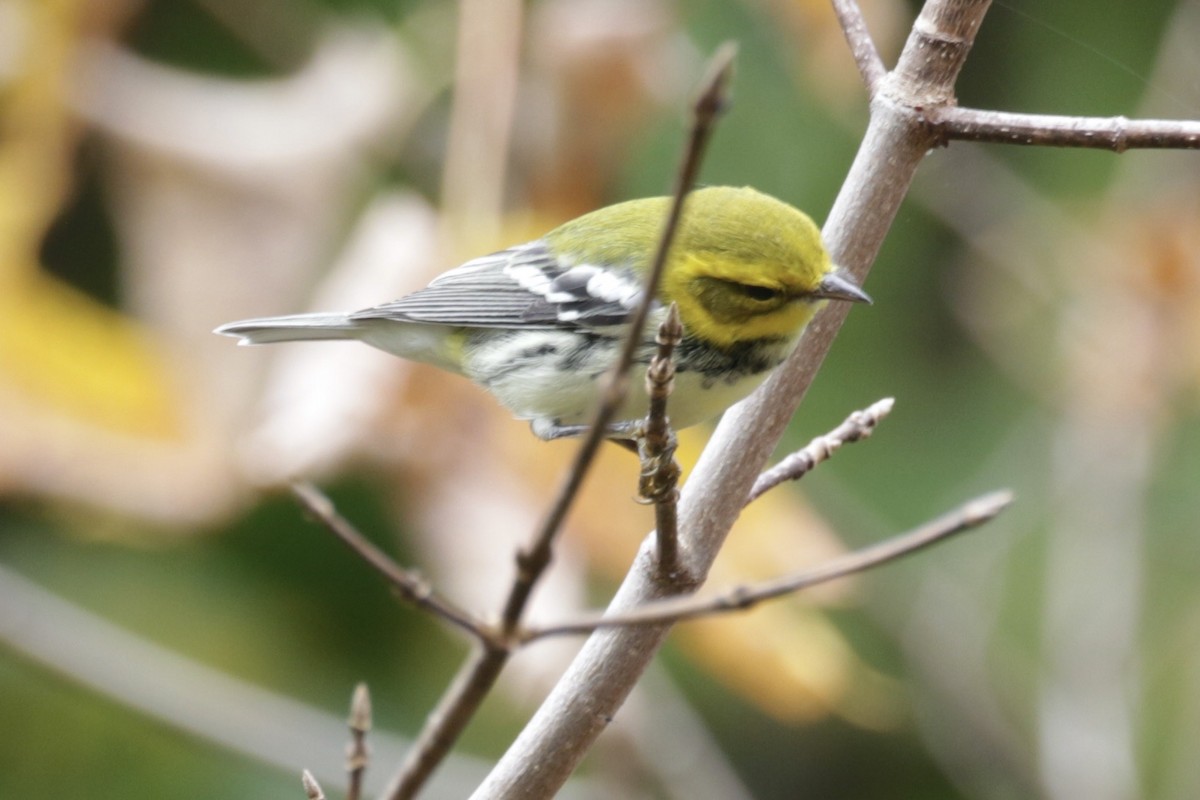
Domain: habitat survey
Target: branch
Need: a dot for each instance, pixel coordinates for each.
(1117, 134)
(858, 426)
(408, 584)
(970, 515)
(710, 103)
(862, 46)
(448, 720)
(656, 448)
(949, 121)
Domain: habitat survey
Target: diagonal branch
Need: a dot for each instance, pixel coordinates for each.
(445, 724)
(408, 584)
(531, 563)
(862, 46)
(475, 679)
(677, 609)
(856, 427)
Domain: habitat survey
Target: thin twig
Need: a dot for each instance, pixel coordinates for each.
(312, 789)
(410, 585)
(1117, 134)
(862, 46)
(358, 753)
(532, 562)
(446, 723)
(969, 515)
(462, 699)
(856, 427)
(659, 479)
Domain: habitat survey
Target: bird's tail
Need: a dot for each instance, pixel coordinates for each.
(293, 328)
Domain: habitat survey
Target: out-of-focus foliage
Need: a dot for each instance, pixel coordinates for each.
(170, 628)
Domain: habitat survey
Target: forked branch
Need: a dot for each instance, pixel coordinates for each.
(408, 584)
(970, 515)
(477, 677)
(532, 562)
(857, 426)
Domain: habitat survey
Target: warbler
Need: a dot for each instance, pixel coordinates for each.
(538, 325)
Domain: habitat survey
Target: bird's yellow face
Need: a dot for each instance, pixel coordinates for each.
(725, 310)
(745, 267)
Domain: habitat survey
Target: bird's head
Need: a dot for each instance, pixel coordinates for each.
(746, 266)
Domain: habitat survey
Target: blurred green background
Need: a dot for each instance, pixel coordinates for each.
(168, 629)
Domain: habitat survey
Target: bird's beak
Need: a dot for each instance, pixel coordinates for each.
(836, 286)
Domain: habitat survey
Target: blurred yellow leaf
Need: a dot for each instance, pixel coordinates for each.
(60, 352)
(64, 353)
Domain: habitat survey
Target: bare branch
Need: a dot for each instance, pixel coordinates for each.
(970, 515)
(445, 724)
(358, 754)
(862, 46)
(656, 448)
(475, 680)
(856, 427)
(1117, 134)
(408, 584)
(533, 561)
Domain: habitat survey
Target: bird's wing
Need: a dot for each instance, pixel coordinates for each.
(525, 286)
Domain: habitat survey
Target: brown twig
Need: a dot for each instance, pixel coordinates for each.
(862, 46)
(358, 753)
(448, 720)
(458, 705)
(408, 584)
(659, 480)
(533, 561)
(312, 789)
(856, 427)
(967, 516)
(1117, 134)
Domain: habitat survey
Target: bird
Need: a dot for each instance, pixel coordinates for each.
(539, 324)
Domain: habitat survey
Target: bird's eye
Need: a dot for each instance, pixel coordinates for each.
(759, 293)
